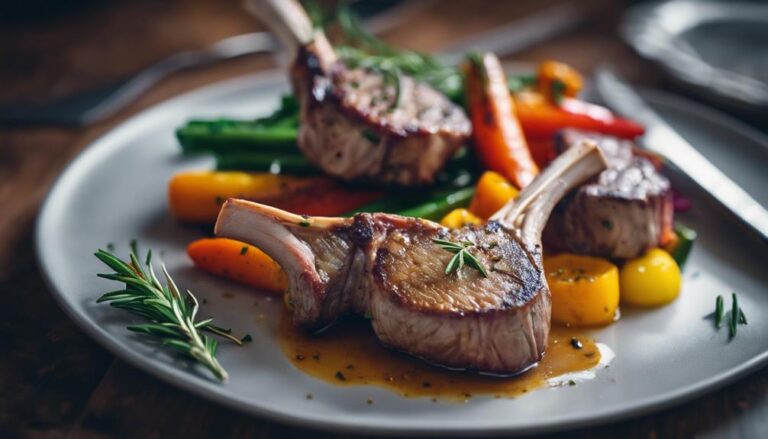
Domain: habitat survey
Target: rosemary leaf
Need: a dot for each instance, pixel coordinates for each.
(734, 320)
(462, 256)
(719, 311)
(742, 317)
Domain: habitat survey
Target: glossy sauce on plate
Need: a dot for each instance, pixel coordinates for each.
(349, 353)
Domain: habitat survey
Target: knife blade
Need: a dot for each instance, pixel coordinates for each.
(664, 140)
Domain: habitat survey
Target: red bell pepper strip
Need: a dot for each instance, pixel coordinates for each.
(542, 119)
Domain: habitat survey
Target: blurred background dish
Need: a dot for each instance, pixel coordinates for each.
(717, 49)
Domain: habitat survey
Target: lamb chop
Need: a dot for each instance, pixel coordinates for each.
(390, 268)
(358, 123)
(625, 212)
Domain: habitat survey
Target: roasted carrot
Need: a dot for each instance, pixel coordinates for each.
(499, 140)
(239, 262)
(196, 197)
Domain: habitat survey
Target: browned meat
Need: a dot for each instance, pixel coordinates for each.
(389, 267)
(360, 124)
(624, 212)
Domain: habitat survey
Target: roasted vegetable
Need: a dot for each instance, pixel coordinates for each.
(498, 137)
(440, 205)
(196, 197)
(460, 217)
(224, 135)
(493, 192)
(238, 262)
(289, 164)
(650, 280)
(682, 245)
(585, 290)
(325, 198)
(541, 119)
(557, 80)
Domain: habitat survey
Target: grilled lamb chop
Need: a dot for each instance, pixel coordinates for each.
(360, 124)
(389, 267)
(623, 213)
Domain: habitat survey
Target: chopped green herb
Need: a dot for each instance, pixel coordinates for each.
(719, 311)
(244, 250)
(607, 224)
(461, 257)
(733, 323)
(571, 382)
(246, 338)
(340, 376)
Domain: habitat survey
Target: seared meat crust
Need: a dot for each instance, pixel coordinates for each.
(621, 214)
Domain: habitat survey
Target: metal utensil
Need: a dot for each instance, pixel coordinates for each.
(662, 139)
(96, 104)
(92, 105)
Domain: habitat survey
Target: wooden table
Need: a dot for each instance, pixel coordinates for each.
(55, 381)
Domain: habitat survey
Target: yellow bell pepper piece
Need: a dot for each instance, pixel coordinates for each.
(650, 280)
(492, 193)
(196, 197)
(458, 218)
(556, 77)
(585, 289)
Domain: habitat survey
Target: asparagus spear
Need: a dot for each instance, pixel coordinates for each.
(292, 164)
(441, 204)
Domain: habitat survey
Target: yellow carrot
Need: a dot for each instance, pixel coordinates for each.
(196, 197)
(239, 262)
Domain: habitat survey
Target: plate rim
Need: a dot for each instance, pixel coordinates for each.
(169, 374)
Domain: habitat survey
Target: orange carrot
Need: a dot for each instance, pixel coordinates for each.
(239, 262)
(499, 139)
(197, 196)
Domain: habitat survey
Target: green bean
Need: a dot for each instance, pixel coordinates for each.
(441, 204)
(255, 162)
(224, 136)
(685, 239)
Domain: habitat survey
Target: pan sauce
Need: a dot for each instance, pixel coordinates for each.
(349, 353)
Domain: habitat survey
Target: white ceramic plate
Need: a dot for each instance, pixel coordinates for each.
(115, 191)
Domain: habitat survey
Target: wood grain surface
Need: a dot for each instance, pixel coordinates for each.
(56, 382)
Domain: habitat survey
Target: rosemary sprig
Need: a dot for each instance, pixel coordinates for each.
(170, 312)
(733, 323)
(736, 316)
(461, 256)
(719, 311)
